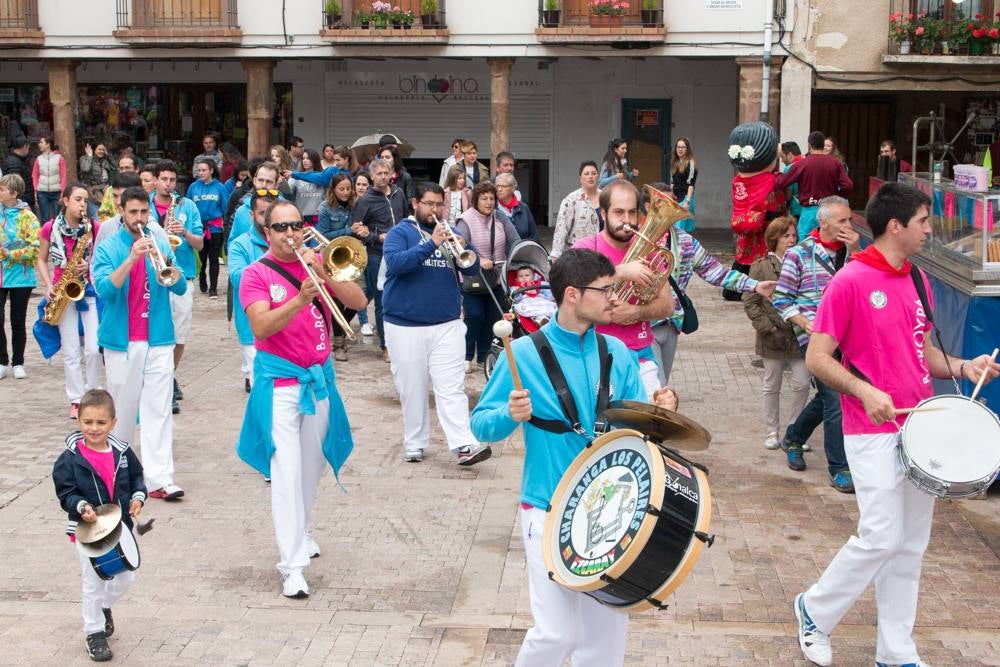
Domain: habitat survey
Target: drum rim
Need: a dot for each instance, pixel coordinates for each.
(645, 527)
(906, 456)
(135, 543)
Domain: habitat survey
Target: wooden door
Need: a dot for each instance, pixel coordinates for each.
(646, 128)
(858, 127)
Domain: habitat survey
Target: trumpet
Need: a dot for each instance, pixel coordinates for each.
(344, 258)
(462, 256)
(167, 275)
(323, 294)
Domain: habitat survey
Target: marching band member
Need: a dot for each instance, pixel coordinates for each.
(119, 183)
(422, 306)
(243, 252)
(567, 623)
(629, 323)
(59, 249)
(873, 312)
(265, 180)
(137, 334)
(295, 418)
(185, 223)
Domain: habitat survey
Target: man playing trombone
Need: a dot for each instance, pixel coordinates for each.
(134, 274)
(422, 307)
(295, 418)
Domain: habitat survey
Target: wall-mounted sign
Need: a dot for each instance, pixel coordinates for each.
(724, 4)
(647, 117)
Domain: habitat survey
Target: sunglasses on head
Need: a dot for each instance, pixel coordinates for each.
(285, 226)
(262, 192)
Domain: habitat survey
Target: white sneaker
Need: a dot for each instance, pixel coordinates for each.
(4, 371)
(806, 447)
(20, 373)
(413, 455)
(470, 366)
(367, 330)
(771, 441)
(815, 645)
(311, 546)
(294, 585)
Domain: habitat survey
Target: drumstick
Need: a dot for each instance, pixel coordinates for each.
(982, 376)
(502, 330)
(928, 408)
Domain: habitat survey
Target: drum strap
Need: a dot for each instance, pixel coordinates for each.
(563, 394)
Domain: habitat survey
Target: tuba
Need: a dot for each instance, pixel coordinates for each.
(344, 258)
(70, 287)
(663, 213)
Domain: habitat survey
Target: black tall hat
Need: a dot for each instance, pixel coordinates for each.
(752, 146)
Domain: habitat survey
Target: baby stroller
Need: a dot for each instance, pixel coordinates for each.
(525, 253)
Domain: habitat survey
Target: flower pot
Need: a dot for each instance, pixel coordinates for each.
(606, 21)
(550, 18)
(977, 47)
(397, 24)
(927, 49)
(429, 20)
(944, 49)
(651, 17)
(963, 49)
(332, 19)
(904, 48)
(364, 24)
(995, 48)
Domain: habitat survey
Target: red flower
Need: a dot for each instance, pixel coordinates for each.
(994, 33)
(919, 30)
(979, 17)
(979, 33)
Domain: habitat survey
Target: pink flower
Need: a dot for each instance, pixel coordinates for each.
(919, 30)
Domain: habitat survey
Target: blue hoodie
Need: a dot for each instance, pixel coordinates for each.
(211, 200)
(322, 178)
(421, 288)
(548, 455)
(243, 252)
(112, 332)
(187, 214)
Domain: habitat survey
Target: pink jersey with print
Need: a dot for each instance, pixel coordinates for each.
(879, 324)
(104, 464)
(635, 336)
(304, 340)
(46, 233)
(138, 302)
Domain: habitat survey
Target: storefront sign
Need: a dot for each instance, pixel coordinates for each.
(724, 4)
(432, 87)
(647, 117)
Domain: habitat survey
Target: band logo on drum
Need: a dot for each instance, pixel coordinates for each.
(604, 512)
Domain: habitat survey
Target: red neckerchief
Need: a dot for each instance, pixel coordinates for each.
(510, 203)
(833, 246)
(874, 258)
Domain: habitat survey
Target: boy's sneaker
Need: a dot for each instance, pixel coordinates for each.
(109, 623)
(794, 451)
(20, 373)
(771, 441)
(815, 645)
(97, 647)
(842, 481)
(168, 492)
(468, 455)
(413, 455)
(294, 585)
(367, 330)
(74, 410)
(312, 547)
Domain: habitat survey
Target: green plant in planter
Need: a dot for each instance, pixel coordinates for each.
(551, 5)
(362, 18)
(927, 32)
(428, 7)
(331, 7)
(649, 5)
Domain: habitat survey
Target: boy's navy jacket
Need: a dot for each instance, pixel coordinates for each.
(77, 483)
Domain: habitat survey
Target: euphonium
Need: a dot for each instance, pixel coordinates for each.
(167, 275)
(663, 212)
(344, 258)
(70, 287)
(168, 220)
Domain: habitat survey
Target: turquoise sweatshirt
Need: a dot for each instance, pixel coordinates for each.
(187, 214)
(243, 252)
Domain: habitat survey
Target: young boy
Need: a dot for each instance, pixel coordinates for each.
(97, 468)
(537, 304)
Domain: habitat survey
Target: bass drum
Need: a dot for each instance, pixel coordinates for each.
(627, 522)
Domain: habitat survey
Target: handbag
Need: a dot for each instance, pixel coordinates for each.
(484, 281)
(690, 323)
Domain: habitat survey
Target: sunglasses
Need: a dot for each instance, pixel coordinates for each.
(295, 225)
(264, 193)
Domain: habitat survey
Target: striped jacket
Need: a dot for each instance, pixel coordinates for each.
(801, 283)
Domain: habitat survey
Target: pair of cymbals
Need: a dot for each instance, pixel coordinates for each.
(661, 425)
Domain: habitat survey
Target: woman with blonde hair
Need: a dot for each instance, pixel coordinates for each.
(683, 173)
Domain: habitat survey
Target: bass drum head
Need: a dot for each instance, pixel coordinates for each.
(597, 523)
(960, 442)
(129, 549)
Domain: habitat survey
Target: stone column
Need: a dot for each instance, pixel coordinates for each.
(499, 105)
(62, 95)
(796, 101)
(751, 78)
(260, 108)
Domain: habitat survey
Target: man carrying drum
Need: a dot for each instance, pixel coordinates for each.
(872, 310)
(567, 623)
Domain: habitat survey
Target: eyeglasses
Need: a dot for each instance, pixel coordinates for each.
(432, 204)
(262, 192)
(608, 290)
(283, 226)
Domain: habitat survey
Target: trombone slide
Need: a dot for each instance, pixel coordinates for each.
(323, 294)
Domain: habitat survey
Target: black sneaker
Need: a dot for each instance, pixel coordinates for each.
(178, 394)
(175, 407)
(97, 647)
(109, 623)
(246, 385)
(203, 284)
(213, 294)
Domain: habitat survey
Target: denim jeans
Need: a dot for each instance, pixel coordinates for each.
(824, 408)
(373, 292)
(480, 315)
(48, 205)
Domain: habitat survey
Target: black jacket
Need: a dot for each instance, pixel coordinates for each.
(15, 164)
(379, 212)
(78, 483)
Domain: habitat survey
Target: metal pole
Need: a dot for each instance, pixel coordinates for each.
(765, 92)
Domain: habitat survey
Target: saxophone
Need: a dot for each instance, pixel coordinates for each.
(69, 288)
(168, 219)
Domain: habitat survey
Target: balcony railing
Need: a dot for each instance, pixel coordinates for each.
(19, 15)
(160, 14)
(371, 15)
(600, 13)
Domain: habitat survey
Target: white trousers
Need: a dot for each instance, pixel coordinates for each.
(247, 355)
(141, 381)
(433, 356)
(773, 375)
(99, 594)
(567, 623)
(182, 308)
(83, 373)
(296, 468)
(893, 532)
(665, 349)
(649, 373)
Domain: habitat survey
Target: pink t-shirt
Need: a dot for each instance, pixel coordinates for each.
(46, 233)
(635, 336)
(138, 303)
(304, 340)
(161, 209)
(104, 464)
(879, 324)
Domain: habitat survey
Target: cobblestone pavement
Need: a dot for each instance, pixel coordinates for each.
(423, 564)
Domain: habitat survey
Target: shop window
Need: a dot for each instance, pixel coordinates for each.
(25, 111)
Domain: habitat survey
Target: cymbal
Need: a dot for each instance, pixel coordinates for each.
(661, 425)
(108, 517)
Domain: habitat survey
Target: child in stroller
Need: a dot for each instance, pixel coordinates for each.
(531, 297)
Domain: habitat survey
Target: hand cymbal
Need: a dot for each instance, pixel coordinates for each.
(661, 425)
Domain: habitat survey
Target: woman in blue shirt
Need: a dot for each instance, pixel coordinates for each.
(210, 196)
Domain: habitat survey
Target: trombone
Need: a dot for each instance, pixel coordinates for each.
(323, 294)
(167, 275)
(344, 258)
(463, 257)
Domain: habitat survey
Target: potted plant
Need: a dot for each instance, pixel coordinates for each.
(901, 31)
(428, 13)
(550, 13)
(926, 33)
(332, 10)
(608, 12)
(363, 19)
(406, 18)
(994, 35)
(381, 14)
(650, 13)
(961, 33)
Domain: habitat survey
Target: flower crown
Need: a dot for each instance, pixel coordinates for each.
(742, 152)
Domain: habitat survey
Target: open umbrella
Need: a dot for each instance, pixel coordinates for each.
(365, 147)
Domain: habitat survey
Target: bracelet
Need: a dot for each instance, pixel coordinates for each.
(961, 369)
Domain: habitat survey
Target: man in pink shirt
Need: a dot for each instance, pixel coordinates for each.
(872, 311)
(630, 323)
